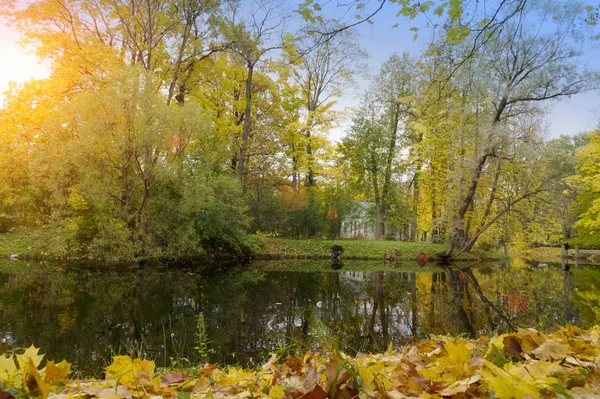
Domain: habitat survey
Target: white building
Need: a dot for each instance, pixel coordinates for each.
(358, 221)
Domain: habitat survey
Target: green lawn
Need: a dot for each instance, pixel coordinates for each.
(360, 249)
(28, 244)
(41, 244)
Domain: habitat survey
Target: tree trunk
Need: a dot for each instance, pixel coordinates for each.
(415, 209)
(310, 175)
(380, 221)
(246, 129)
(294, 173)
(489, 204)
(457, 231)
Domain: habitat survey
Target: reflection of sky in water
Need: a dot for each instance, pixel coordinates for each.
(85, 317)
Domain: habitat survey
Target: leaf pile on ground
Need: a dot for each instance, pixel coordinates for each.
(525, 364)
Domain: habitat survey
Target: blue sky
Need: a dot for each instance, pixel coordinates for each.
(570, 116)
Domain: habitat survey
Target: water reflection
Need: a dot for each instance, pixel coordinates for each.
(237, 317)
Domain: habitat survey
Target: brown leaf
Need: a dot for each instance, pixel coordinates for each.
(207, 370)
(530, 339)
(346, 392)
(476, 361)
(295, 364)
(202, 385)
(336, 375)
(294, 393)
(459, 386)
(173, 378)
(310, 379)
(422, 381)
(316, 393)
(512, 344)
(6, 395)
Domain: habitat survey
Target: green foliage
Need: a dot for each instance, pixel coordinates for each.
(587, 181)
(128, 150)
(136, 179)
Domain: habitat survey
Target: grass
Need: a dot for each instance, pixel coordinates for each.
(42, 244)
(30, 244)
(279, 248)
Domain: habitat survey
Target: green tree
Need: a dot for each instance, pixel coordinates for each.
(587, 182)
(373, 143)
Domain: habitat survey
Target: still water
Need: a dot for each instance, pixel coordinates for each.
(239, 315)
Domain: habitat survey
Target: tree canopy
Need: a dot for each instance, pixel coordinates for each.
(173, 129)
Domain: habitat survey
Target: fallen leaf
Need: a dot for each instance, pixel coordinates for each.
(506, 386)
(57, 372)
(459, 386)
(130, 372)
(173, 378)
(552, 350)
(316, 393)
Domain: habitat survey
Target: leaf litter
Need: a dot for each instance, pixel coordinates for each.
(525, 364)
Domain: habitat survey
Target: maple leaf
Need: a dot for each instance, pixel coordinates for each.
(453, 364)
(32, 381)
(8, 370)
(30, 353)
(130, 372)
(56, 372)
(505, 385)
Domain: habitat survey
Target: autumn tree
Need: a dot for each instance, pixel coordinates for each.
(373, 142)
(324, 70)
(522, 68)
(253, 32)
(586, 181)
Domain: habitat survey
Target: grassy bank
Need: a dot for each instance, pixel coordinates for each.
(278, 248)
(30, 244)
(42, 244)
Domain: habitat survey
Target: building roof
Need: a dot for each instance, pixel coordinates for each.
(357, 208)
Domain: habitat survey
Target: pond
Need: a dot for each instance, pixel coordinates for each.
(240, 315)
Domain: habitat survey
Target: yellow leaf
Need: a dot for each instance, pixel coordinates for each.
(459, 386)
(57, 372)
(236, 376)
(552, 350)
(130, 372)
(30, 353)
(530, 339)
(453, 364)
(8, 369)
(505, 385)
(277, 392)
(32, 381)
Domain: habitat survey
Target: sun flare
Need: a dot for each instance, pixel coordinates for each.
(16, 64)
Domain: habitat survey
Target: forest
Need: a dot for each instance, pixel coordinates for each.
(172, 129)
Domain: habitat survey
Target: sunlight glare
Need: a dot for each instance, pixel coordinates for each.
(16, 64)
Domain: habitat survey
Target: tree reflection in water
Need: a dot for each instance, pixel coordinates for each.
(86, 316)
